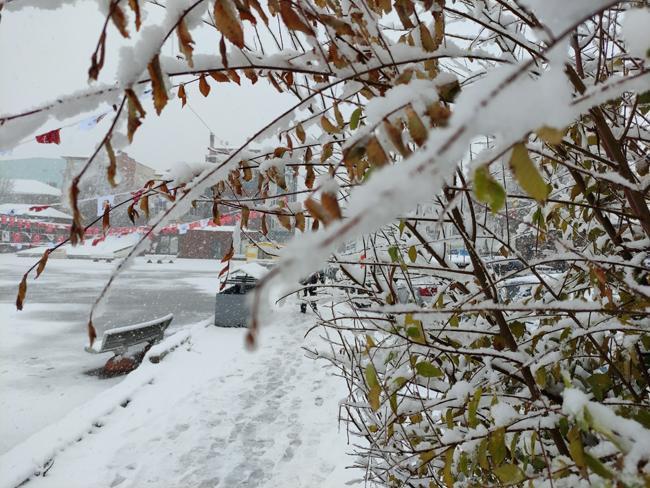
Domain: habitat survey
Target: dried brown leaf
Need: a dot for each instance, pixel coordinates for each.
(376, 154)
(284, 219)
(317, 211)
(106, 218)
(42, 263)
(292, 20)
(228, 23)
(331, 205)
(245, 213)
(219, 76)
(119, 19)
(160, 96)
(77, 228)
(185, 42)
(258, 8)
(223, 52)
(265, 229)
(300, 221)
(135, 6)
(204, 86)
(92, 333)
(310, 177)
(216, 215)
(22, 291)
(136, 112)
(144, 205)
(182, 95)
(300, 133)
(112, 163)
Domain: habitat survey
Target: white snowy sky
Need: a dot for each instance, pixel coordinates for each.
(47, 53)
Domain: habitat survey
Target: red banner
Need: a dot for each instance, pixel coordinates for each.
(52, 137)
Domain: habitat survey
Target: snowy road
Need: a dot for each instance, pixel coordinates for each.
(43, 367)
(209, 415)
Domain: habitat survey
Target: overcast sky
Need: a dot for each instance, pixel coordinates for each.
(47, 53)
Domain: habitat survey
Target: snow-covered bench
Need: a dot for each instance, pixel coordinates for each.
(120, 339)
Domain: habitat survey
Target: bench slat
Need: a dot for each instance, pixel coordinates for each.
(121, 338)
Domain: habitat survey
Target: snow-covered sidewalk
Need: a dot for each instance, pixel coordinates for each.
(209, 414)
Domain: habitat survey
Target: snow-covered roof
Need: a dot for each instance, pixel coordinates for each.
(23, 210)
(253, 270)
(33, 187)
(110, 247)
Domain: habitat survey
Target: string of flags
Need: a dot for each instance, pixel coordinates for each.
(19, 230)
(54, 136)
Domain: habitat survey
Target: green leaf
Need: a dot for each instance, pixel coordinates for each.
(575, 447)
(597, 467)
(488, 190)
(510, 473)
(526, 173)
(447, 474)
(354, 118)
(413, 253)
(644, 98)
(427, 456)
(599, 383)
(518, 329)
(472, 408)
(497, 446)
(550, 135)
(371, 376)
(428, 370)
(482, 455)
(393, 253)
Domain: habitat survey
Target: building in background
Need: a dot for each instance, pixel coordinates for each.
(46, 170)
(94, 186)
(34, 192)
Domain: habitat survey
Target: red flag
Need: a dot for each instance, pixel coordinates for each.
(52, 137)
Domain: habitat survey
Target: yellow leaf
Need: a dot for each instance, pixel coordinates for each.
(376, 154)
(488, 190)
(417, 129)
(526, 173)
(42, 263)
(300, 133)
(373, 397)
(328, 126)
(550, 135)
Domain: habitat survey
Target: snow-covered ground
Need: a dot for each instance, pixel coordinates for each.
(210, 414)
(44, 371)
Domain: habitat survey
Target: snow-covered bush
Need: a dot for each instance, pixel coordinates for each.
(478, 170)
